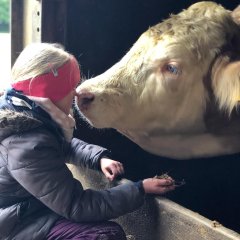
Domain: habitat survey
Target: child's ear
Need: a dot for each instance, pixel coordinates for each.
(226, 83)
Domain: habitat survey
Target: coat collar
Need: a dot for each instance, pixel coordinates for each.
(19, 114)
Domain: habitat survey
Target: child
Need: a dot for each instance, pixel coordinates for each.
(39, 198)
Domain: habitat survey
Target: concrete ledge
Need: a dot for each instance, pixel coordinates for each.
(177, 223)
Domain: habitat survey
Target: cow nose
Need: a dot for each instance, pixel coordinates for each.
(84, 100)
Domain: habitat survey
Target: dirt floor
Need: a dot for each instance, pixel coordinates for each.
(5, 59)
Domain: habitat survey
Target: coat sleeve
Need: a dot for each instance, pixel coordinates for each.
(37, 164)
(84, 154)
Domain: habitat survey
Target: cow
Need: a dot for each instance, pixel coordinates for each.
(177, 90)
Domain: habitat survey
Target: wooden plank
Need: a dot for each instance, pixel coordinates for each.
(16, 29)
(25, 25)
(54, 21)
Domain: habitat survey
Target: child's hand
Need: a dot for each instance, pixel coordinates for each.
(158, 185)
(111, 168)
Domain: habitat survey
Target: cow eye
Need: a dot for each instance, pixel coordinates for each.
(172, 69)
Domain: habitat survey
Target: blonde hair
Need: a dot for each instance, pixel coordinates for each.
(37, 59)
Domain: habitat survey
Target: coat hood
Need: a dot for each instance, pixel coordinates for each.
(12, 122)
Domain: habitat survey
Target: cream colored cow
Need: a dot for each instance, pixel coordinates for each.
(176, 91)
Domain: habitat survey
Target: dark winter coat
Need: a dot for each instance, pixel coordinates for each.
(36, 186)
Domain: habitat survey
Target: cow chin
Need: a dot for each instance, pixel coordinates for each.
(96, 124)
(98, 117)
(93, 121)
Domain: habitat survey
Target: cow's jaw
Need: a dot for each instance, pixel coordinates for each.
(185, 146)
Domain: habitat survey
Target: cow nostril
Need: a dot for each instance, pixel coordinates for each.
(85, 99)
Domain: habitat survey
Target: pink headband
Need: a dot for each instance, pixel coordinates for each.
(54, 85)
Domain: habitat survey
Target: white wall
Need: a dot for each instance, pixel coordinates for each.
(5, 59)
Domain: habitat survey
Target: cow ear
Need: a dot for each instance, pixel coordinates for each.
(226, 83)
(236, 15)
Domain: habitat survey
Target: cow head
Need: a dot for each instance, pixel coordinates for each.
(161, 89)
